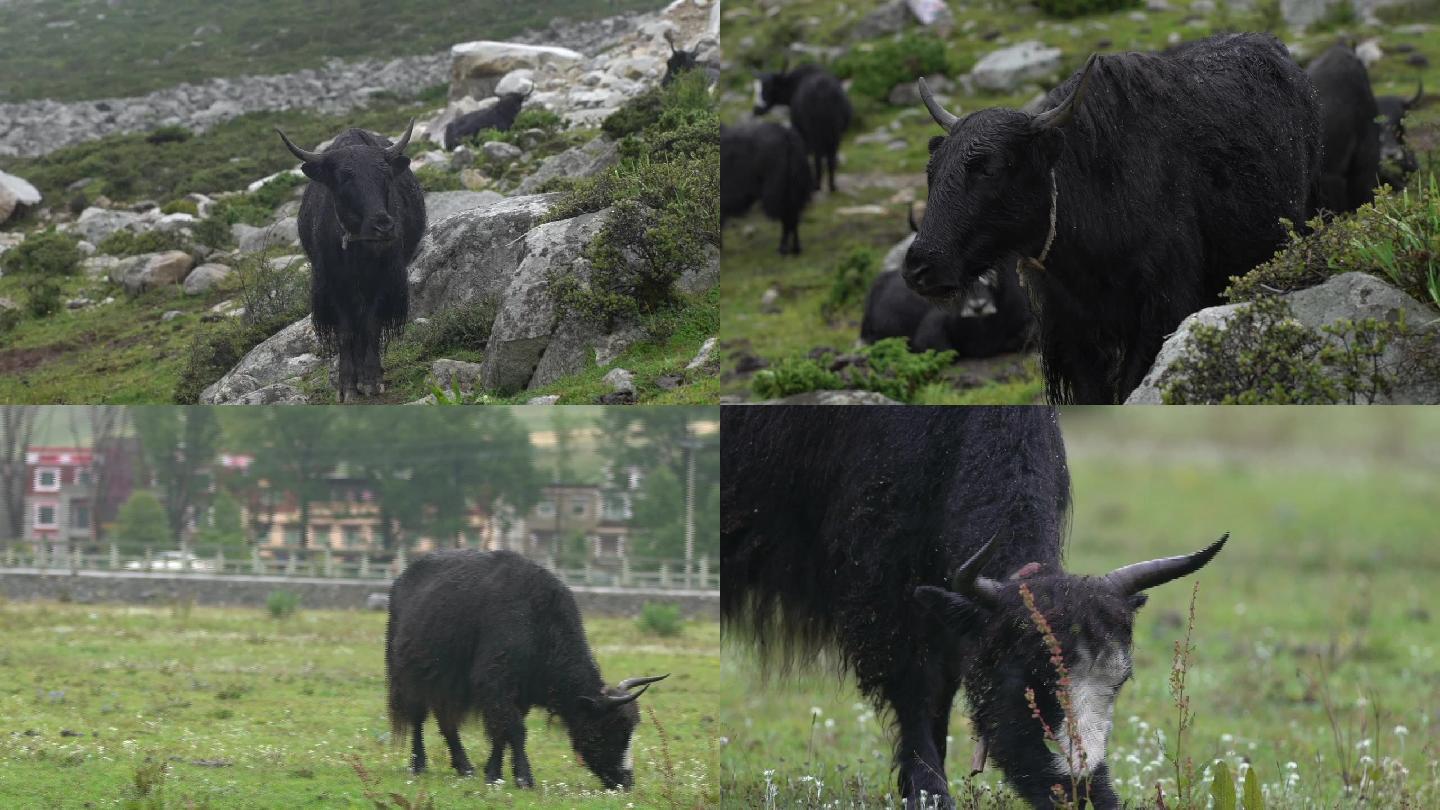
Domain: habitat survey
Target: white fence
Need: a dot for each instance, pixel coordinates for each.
(325, 563)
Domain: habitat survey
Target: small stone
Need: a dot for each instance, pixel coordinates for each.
(171, 315)
(770, 301)
(501, 152)
(620, 380)
(705, 357)
(548, 399)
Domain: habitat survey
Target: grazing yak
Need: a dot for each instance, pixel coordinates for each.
(765, 161)
(360, 223)
(1397, 162)
(993, 319)
(492, 633)
(899, 537)
(819, 110)
(1147, 181)
(499, 116)
(1350, 129)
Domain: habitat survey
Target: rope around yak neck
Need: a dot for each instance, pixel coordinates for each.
(1028, 263)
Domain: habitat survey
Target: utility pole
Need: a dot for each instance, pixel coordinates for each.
(691, 444)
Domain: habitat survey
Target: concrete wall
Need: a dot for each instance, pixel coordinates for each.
(23, 584)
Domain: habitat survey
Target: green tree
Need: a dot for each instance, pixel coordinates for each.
(296, 451)
(141, 522)
(179, 445)
(226, 527)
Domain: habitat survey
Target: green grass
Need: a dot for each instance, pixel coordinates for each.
(874, 174)
(247, 711)
(1329, 567)
(135, 47)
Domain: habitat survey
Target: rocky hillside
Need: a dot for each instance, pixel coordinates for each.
(507, 304)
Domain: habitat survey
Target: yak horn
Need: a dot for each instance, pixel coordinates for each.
(943, 117)
(1065, 110)
(1419, 92)
(670, 39)
(1141, 576)
(611, 701)
(967, 580)
(394, 150)
(630, 683)
(307, 157)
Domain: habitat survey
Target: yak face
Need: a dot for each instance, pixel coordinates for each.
(603, 733)
(679, 62)
(359, 179)
(991, 184)
(771, 90)
(1396, 159)
(1092, 619)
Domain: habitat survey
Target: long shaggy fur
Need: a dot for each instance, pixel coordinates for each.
(765, 162)
(1348, 113)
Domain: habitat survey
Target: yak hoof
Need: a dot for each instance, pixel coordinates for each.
(466, 771)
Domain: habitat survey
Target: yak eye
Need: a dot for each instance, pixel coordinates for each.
(935, 143)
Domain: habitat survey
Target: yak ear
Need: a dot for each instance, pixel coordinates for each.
(950, 607)
(318, 172)
(1138, 600)
(1050, 142)
(399, 163)
(935, 143)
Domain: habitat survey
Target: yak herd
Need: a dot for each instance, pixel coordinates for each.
(1144, 182)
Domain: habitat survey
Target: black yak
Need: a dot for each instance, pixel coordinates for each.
(993, 319)
(498, 116)
(361, 220)
(819, 110)
(766, 162)
(1350, 128)
(1397, 162)
(899, 537)
(492, 633)
(1146, 183)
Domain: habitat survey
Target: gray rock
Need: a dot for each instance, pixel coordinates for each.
(548, 399)
(204, 278)
(154, 270)
(176, 222)
(501, 152)
(476, 68)
(471, 255)
(620, 380)
(101, 266)
(1008, 68)
(16, 194)
(454, 375)
(833, 398)
(284, 233)
(171, 315)
(377, 601)
(705, 359)
(287, 355)
(95, 224)
(286, 262)
(276, 394)
(770, 301)
(441, 204)
(887, 18)
(582, 161)
(1353, 296)
(703, 278)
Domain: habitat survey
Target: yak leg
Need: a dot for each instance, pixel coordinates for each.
(819, 171)
(922, 765)
(498, 732)
(449, 727)
(417, 741)
(832, 160)
(369, 378)
(519, 762)
(349, 356)
(940, 723)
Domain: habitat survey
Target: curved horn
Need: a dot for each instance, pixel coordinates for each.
(670, 39)
(307, 157)
(394, 150)
(1419, 92)
(1142, 576)
(631, 683)
(609, 701)
(1065, 110)
(943, 117)
(967, 580)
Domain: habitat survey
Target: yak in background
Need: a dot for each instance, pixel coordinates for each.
(891, 536)
(819, 110)
(765, 162)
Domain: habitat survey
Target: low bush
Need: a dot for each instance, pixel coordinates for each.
(282, 604)
(852, 279)
(877, 67)
(47, 253)
(42, 296)
(181, 206)
(436, 178)
(464, 327)
(660, 619)
(1081, 8)
(126, 242)
(886, 367)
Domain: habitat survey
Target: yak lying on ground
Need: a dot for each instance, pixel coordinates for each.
(766, 162)
(891, 536)
(819, 110)
(492, 633)
(1146, 183)
(1350, 129)
(993, 319)
(1397, 162)
(499, 116)
(360, 223)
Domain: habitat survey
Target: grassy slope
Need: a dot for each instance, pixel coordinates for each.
(247, 711)
(1330, 560)
(750, 262)
(132, 48)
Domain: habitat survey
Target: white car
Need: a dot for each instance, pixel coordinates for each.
(172, 561)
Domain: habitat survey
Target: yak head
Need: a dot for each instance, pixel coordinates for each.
(991, 186)
(1013, 673)
(680, 60)
(772, 90)
(602, 733)
(359, 177)
(1396, 159)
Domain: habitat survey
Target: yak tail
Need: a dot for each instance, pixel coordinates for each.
(400, 722)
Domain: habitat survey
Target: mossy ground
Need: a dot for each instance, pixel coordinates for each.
(243, 710)
(875, 173)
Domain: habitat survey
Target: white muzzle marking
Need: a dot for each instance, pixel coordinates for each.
(1085, 732)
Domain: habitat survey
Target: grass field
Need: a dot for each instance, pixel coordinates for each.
(1316, 658)
(884, 154)
(220, 708)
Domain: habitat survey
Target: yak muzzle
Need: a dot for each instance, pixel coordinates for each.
(923, 274)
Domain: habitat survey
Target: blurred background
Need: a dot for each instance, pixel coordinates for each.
(1315, 658)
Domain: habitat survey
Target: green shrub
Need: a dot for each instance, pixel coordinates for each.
(1080, 8)
(1269, 17)
(1396, 237)
(273, 294)
(282, 604)
(1264, 356)
(48, 253)
(636, 114)
(851, 281)
(181, 206)
(660, 619)
(884, 64)
(42, 296)
(435, 178)
(886, 367)
(126, 242)
(465, 327)
(168, 134)
(141, 521)
(10, 317)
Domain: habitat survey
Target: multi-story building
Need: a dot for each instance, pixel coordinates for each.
(58, 497)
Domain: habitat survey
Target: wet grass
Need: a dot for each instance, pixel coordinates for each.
(231, 708)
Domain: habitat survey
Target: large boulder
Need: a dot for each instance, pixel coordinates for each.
(441, 204)
(284, 233)
(476, 68)
(470, 255)
(152, 270)
(579, 162)
(833, 398)
(284, 357)
(1350, 296)
(95, 224)
(204, 278)
(1006, 69)
(15, 194)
